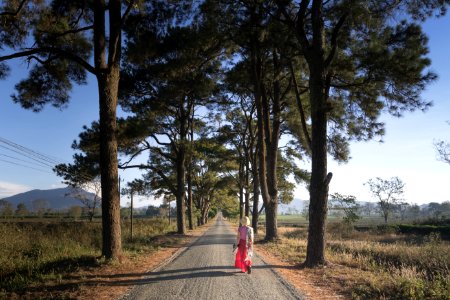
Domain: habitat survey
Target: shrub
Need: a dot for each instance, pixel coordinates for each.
(444, 231)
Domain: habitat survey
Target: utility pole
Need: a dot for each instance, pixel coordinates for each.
(131, 217)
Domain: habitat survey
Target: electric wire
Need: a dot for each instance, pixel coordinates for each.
(37, 158)
(26, 161)
(26, 151)
(14, 163)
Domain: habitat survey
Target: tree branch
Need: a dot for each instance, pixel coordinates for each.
(127, 12)
(300, 106)
(334, 36)
(165, 155)
(158, 141)
(327, 180)
(142, 167)
(301, 34)
(13, 14)
(90, 27)
(134, 155)
(67, 55)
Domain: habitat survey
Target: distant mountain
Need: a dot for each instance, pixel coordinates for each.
(295, 207)
(56, 199)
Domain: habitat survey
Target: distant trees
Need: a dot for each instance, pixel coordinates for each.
(39, 206)
(347, 204)
(153, 211)
(388, 192)
(134, 188)
(89, 194)
(6, 208)
(437, 210)
(368, 208)
(75, 212)
(84, 180)
(21, 210)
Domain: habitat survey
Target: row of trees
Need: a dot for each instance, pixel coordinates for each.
(320, 71)
(38, 207)
(389, 196)
(350, 211)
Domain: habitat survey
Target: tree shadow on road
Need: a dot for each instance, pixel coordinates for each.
(130, 279)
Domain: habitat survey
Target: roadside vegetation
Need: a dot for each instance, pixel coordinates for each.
(378, 263)
(32, 253)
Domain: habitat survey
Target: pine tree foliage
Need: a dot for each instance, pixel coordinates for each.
(363, 58)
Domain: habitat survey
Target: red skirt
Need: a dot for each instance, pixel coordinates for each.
(243, 261)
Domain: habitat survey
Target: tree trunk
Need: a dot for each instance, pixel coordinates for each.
(108, 88)
(189, 172)
(255, 197)
(131, 219)
(256, 66)
(271, 221)
(108, 83)
(247, 189)
(315, 254)
(181, 191)
(241, 202)
(241, 189)
(189, 202)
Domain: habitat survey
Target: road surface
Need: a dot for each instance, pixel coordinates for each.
(205, 270)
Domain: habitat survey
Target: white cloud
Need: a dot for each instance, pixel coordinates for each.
(10, 189)
(57, 185)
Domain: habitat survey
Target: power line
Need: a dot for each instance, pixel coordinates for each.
(37, 158)
(19, 149)
(26, 161)
(14, 163)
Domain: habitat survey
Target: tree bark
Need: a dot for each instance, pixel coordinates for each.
(315, 253)
(255, 195)
(264, 144)
(108, 88)
(189, 200)
(181, 191)
(108, 83)
(131, 218)
(241, 194)
(189, 171)
(247, 187)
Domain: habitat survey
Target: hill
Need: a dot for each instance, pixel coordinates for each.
(295, 207)
(56, 199)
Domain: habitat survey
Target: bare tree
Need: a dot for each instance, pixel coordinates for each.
(388, 192)
(91, 203)
(40, 206)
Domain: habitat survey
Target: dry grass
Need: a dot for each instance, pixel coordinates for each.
(55, 260)
(371, 265)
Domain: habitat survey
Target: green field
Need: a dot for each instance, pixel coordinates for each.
(300, 220)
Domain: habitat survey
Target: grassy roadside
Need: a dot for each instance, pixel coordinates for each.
(60, 260)
(371, 265)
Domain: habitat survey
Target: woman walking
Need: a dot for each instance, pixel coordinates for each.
(245, 246)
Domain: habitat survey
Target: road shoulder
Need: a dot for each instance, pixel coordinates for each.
(309, 282)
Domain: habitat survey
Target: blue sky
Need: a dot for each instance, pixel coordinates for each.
(407, 151)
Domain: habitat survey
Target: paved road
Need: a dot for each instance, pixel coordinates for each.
(205, 271)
